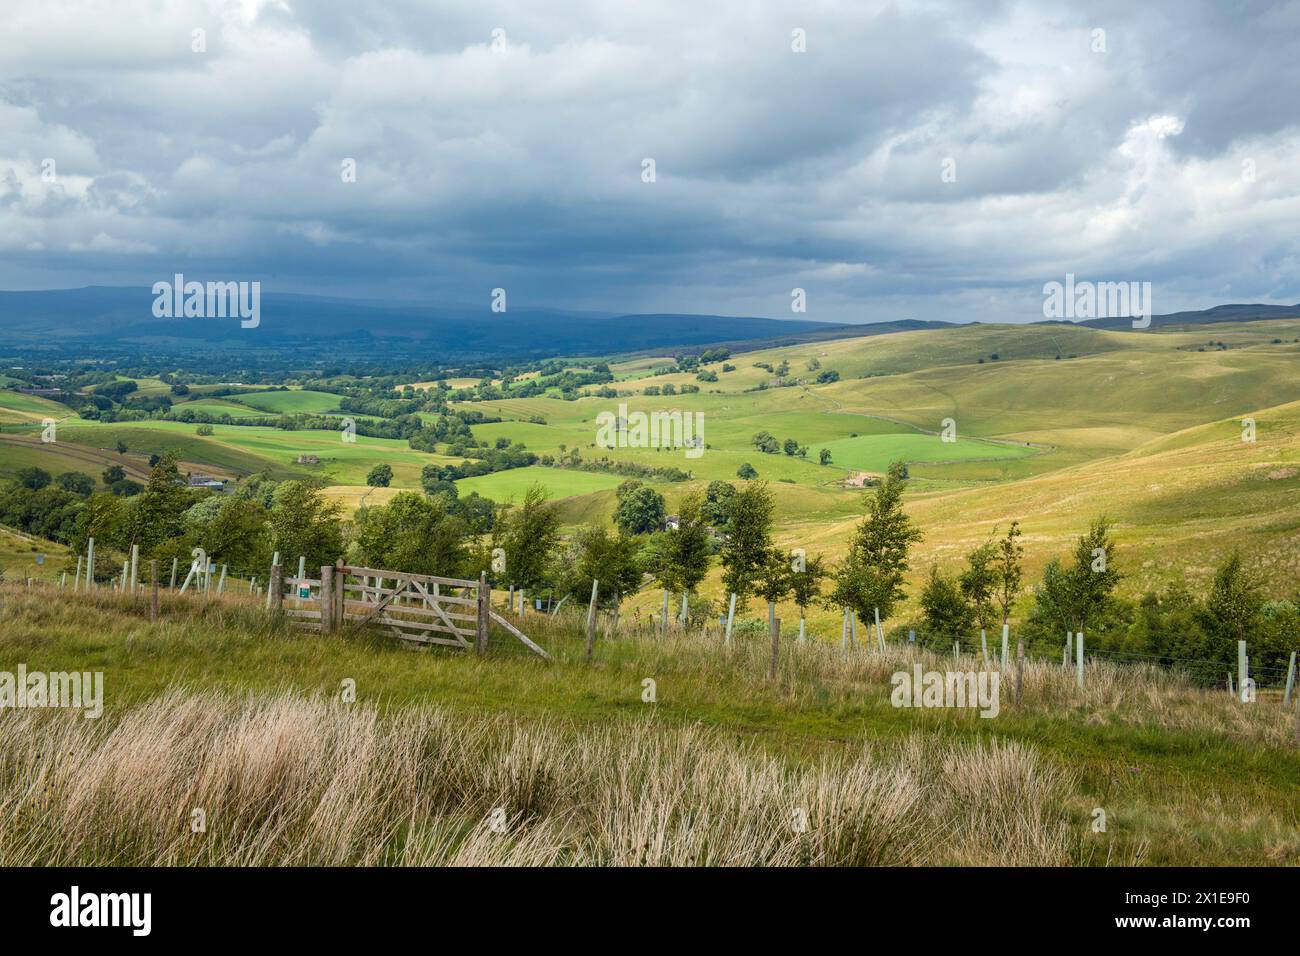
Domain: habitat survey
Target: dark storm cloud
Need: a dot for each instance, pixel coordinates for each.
(936, 160)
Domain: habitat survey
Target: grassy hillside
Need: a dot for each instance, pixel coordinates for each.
(1142, 426)
(215, 697)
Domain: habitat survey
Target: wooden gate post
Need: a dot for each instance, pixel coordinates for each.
(153, 588)
(484, 621)
(275, 590)
(326, 599)
(340, 596)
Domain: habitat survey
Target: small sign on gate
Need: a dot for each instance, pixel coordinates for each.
(304, 591)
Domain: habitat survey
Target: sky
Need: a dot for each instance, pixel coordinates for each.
(925, 160)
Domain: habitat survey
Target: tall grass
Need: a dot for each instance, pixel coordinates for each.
(283, 779)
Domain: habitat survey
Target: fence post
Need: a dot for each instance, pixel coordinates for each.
(340, 595)
(1020, 664)
(153, 589)
(591, 617)
(326, 598)
(1079, 660)
(1005, 629)
(731, 616)
(663, 620)
(484, 610)
(221, 584)
(1290, 681)
(90, 563)
(275, 590)
(76, 582)
(776, 644)
(1243, 672)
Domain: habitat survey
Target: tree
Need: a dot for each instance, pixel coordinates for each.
(717, 503)
(685, 550)
(749, 541)
(414, 533)
(944, 608)
(433, 482)
(978, 582)
(381, 476)
(746, 471)
(231, 530)
(596, 554)
(76, 482)
(790, 447)
(766, 443)
(478, 513)
(1233, 607)
(827, 375)
(113, 474)
(640, 511)
(871, 577)
(806, 583)
(529, 535)
(824, 456)
(203, 430)
(303, 522)
(156, 513)
(1007, 566)
(32, 477)
(1092, 578)
(773, 582)
(121, 447)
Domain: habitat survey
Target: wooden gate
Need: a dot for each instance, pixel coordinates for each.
(419, 608)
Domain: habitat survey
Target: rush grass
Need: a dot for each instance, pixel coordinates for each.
(1184, 776)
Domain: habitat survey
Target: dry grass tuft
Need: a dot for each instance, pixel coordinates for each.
(286, 780)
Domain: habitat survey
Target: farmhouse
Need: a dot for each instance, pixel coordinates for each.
(860, 479)
(206, 481)
(308, 460)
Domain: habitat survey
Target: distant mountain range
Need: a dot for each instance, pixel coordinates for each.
(100, 319)
(1219, 313)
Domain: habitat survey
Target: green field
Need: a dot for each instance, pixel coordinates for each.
(873, 453)
(559, 483)
(290, 402)
(17, 407)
